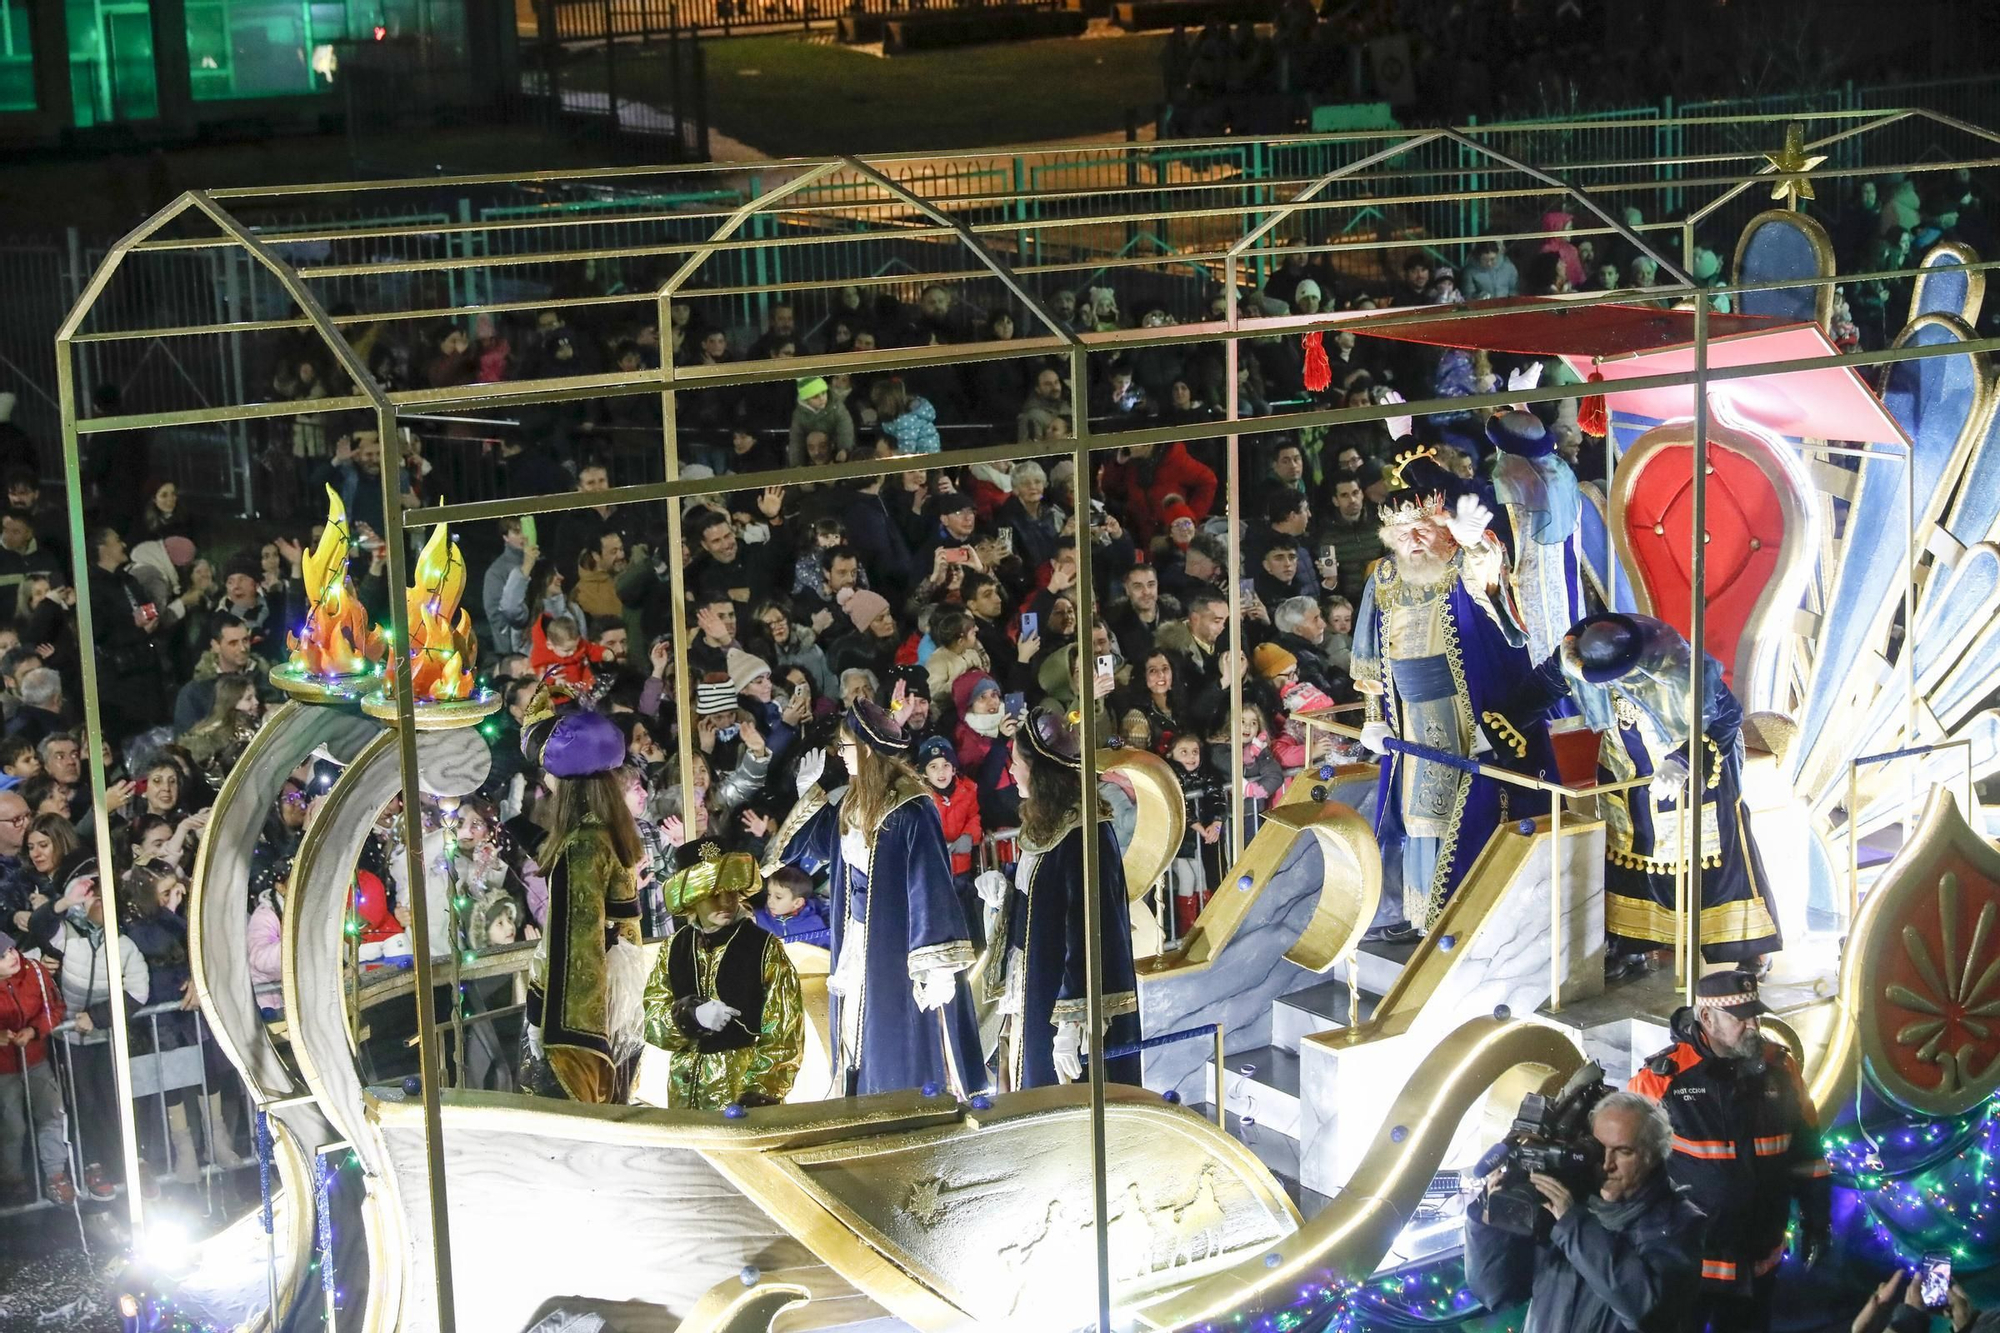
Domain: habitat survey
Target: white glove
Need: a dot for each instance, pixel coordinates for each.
(1069, 1051)
(1668, 776)
(1375, 737)
(811, 764)
(715, 1015)
(1469, 521)
(992, 886)
(935, 988)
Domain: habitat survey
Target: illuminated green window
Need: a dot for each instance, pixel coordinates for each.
(111, 75)
(17, 58)
(264, 48)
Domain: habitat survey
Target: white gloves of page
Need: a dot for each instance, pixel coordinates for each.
(1069, 1051)
(1375, 735)
(1468, 521)
(811, 764)
(1669, 775)
(992, 886)
(934, 988)
(715, 1015)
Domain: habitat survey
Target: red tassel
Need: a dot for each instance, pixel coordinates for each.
(1591, 416)
(1319, 371)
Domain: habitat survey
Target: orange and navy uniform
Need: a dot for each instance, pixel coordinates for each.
(1745, 1145)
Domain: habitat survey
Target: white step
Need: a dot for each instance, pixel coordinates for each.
(1320, 1007)
(1378, 965)
(1267, 1094)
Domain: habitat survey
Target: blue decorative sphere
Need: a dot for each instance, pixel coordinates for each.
(1170, 1097)
(1446, 943)
(1114, 743)
(735, 1111)
(1526, 828)
(1502, 1012)
(1244, 881)
(1325, 772)
(930, 1089)
(413, 1085)
(1273, 1260)
(750, 1275)
(981, 1102)
(1399, 1133)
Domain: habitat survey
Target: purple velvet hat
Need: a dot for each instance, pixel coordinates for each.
(569, 741)
(875, 728)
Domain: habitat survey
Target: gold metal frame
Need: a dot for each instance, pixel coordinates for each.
(897, 206)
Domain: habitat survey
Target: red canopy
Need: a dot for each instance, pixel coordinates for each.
(1635, 342)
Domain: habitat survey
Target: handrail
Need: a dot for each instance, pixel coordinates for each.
(1558, 793)
(1211, 1030)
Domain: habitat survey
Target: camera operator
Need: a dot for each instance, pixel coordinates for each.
(1619, 1261)
(1746, 1143)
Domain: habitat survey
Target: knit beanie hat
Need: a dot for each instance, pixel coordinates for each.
(715, 694)
(1270, 661)
(744, 668)
(811, 388)
(864, 606)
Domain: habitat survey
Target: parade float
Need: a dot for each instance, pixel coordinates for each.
(1309, 1101)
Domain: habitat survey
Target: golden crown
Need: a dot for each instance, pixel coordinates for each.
(1393, 474)
(1418, 509)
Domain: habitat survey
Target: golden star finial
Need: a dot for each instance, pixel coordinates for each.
(1791, 163)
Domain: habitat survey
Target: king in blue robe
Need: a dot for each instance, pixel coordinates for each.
(1438, 646)
(1043, 989)
(1628, 676)
(900, 1010)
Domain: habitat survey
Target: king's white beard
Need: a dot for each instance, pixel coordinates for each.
(1421, 567)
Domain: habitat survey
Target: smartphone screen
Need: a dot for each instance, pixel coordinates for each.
(1015, 704)
(1934, 1281)
(1106, 664)
(1248, 587)
(1031, 624)
(528, 529)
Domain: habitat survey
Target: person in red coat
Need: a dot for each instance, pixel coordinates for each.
(1145, 479)
(957, 800)
(30, 1007)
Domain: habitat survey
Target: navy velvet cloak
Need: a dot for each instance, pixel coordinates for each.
(913, 925)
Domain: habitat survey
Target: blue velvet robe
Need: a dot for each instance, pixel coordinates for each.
(1045, 923)
(1642, 843)
(1438, 694)
(915, 924)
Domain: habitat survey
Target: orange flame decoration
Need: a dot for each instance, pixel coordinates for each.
(338, 640)
(442, 646)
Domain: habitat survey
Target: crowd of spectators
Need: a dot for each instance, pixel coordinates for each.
(1451, 62)
(948, 591)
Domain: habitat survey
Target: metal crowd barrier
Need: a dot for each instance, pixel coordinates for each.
(155, 1074)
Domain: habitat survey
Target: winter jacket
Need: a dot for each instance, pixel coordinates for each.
(915, 431)
(958, 809)
(264, 937)
(1590, 1278)
(596, 595)
(573, 666)
(508, 634)
(28, 999)
(833, 419)
(946, 665)
(1746, 1143)
(1144, 486)
(517, 615)
(85, 977)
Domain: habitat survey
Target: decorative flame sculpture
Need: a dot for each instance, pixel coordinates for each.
(337, 644)
(442, 644)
